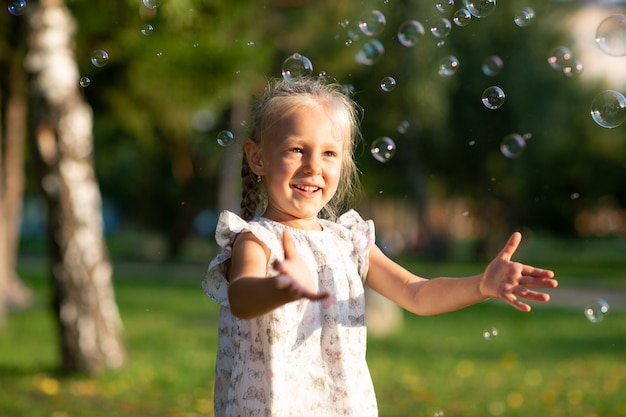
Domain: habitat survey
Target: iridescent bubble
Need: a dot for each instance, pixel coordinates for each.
(225, 138)
(370, 52)
(608, 109)
(439, 413)
(151, 4)
(512, 145)
(84, 82)
(462, 17)
(560, 57)
(444, 6)
(524, 17)
(480, 8)
(574, 196)
(573, 68)
(490, 333)
(296, 66)
(373, 24)
(410, 32)
(448, 66)
(147, 29)
(99, 58)
(597, 310)
(388, 84)
(492, 65)
(611, 35)
(441, 28)
(17, 7)
(403, 126)
(493, 97)
(383, 149)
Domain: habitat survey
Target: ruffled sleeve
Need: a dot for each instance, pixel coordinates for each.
(363, 237)
(229, 225)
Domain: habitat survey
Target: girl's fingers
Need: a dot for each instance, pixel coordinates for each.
(288, 245)
(511, 246)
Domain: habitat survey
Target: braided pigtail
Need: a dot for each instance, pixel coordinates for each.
(250, 191)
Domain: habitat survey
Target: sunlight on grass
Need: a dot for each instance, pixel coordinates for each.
(550, 362)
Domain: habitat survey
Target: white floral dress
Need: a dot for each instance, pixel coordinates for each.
(305, 358)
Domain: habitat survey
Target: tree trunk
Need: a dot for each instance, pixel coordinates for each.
(13, 293)
(60, 126)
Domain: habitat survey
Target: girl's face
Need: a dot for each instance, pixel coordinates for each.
(300, 160)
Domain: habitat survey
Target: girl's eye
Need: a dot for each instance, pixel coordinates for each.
(329, 153)
(296, 150)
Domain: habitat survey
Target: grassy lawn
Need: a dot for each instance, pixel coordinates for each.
(550, 362)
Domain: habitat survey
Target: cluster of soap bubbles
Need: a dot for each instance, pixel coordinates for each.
(562, 59)
(608, 108)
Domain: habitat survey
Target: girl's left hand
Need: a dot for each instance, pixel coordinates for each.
(508, 280)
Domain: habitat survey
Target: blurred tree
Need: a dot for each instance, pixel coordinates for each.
(13, 292)
(60, 129)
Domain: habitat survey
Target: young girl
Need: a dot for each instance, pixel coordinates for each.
(290, 275)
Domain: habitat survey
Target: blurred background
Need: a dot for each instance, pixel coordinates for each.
(121, 130)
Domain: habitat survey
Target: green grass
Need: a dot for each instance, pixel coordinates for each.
(550, 362)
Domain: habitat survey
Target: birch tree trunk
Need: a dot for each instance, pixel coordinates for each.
(60, 126)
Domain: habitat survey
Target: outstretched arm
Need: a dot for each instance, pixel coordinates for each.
(251, 294)
(503, 279)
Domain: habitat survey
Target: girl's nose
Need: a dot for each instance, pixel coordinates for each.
(312, 165)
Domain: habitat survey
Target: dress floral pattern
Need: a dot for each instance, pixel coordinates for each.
(305, 358)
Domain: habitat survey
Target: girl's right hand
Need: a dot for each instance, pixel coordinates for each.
(294, 276)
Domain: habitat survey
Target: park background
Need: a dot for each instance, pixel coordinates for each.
(178, 73)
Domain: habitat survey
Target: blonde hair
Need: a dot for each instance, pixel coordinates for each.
(282, 96)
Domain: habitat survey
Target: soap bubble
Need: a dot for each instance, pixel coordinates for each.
(410, 32)
(490, 333)
(462, 17)
(448, 66)
(99, 58)
(84, 82)
(597, 310)
(403, 126)
(480, 8)
(147, 29)
(17, 7)
(493, 97)
(388, 84)
(383, 149)
(296, 66)
(151, 4)
(373, 24)
(512, 145)
(441, 28)
(611, 35)
(573, 68)
(492, 65)
(524, 17)
(370, 52)
(608, 109)
(444, 6)
(560, 57)
(225, 138)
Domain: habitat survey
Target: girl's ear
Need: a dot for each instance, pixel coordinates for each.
(253, 155)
